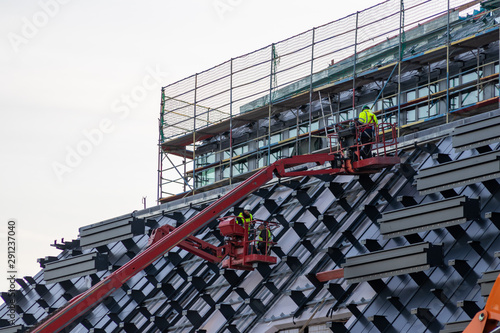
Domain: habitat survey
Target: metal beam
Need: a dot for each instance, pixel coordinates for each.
(487, 282)
(402, 260)
(429, 216)
(81, 265)
(104, 233)
(459, 173)
(476, 134)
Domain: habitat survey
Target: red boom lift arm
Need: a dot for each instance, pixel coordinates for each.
(164, 238)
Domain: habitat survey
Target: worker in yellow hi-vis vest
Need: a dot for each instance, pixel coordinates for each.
(247, 217)
(264, 239)
(367, 135)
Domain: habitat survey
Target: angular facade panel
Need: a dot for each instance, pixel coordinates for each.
(81, 265)
(459, 173)
(403, 260)
(476, 134)
(104, 233)
(434, 215)
(486, 282)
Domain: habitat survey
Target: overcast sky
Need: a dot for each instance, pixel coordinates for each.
(75, 148)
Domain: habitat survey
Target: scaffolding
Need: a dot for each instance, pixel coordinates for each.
(409, 60)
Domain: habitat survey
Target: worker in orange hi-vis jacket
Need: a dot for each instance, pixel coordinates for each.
(366, 117)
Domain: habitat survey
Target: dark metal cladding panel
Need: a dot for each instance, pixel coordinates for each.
(459, 173)
(402, 260)
(477, 134)
(102, 234)
(428, 216)
(81, 265)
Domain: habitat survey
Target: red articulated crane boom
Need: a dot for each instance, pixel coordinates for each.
(165, 238)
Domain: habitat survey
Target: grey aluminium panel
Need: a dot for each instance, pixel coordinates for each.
(429, 216)
(81, 265)
(402, 260)
(12, 329)
(104, 233)
(459, 173)
(476, 134)
(456, 327)
(487, 282)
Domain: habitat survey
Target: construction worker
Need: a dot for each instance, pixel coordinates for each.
(264, 237)
(247, 217)
(367, 133)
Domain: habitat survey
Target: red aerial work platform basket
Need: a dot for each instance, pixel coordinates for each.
(241, 246)
(346, 144)
(229, 227)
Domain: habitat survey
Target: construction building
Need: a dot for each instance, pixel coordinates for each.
(412, 247)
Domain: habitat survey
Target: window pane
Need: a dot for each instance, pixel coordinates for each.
(469, 77)
(237, 151)
(205, 177)
(469, 98)
(433, 88)
(226, 171)
(410, 116)
(411, 95)
(423, 92)
(262, 161)
(433, 110)
(454, 103)
(423, 112)
(315, 126)
(211, 158)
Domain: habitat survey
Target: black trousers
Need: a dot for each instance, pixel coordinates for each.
(366, 137)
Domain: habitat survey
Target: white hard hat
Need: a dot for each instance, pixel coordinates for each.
(247, 207)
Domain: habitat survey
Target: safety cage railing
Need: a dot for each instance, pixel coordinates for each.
(347, 140)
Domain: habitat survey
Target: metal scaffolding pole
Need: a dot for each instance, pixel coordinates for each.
(448, 64)
(231, 124)
(159, 192)
(194, 133)
(270, 104)
(309, 137)
(401, 13)
(160, 164)
(297, 110)
(354, 65)
(478, 79)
